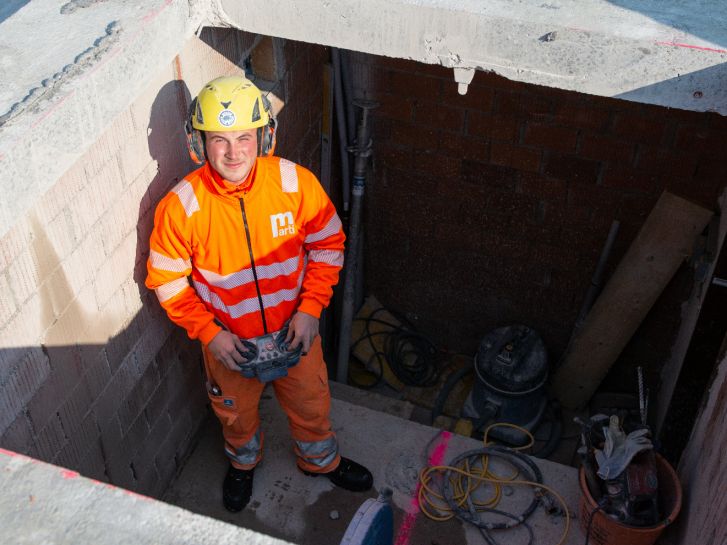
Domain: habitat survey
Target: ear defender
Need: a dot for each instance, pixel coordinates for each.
(266, 137)
(195, 142)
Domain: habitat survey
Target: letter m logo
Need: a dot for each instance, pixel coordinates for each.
(282, 224)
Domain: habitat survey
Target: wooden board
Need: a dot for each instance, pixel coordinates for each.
(665, 240)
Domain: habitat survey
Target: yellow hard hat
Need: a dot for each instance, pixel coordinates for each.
(230, 103)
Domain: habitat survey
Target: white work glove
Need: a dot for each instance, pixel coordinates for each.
(619, 449)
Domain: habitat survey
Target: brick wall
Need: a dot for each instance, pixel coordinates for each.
(492, 207)
(93, 376)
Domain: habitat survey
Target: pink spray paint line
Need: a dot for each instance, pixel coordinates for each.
(700, 48)
(435, 459)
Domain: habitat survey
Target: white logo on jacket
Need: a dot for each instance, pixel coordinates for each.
(282, 224)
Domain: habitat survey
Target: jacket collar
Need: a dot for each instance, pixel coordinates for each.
(218, 185)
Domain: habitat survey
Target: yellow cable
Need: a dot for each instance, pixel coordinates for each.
(465, 480)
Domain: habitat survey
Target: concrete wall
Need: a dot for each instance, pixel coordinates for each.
(492, 207)
(93, 375)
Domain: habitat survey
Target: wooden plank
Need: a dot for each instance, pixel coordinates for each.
(664, 241)
(690, 315)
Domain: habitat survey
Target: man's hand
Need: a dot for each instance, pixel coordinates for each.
(225, 348)
(303, 329)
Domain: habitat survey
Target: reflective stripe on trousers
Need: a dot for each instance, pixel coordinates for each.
(319, 453)
(249, 453)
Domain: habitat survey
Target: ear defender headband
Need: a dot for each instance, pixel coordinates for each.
(266, 139)
(195, 141)
(266, 135)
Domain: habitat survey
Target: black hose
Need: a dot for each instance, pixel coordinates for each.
(556, 430)
(520, 461)
(452, 380)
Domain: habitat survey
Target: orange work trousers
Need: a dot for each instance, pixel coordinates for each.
(303, 395)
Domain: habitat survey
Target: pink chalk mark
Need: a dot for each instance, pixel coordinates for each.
(68, 474)
(435, 458)
(688, 46)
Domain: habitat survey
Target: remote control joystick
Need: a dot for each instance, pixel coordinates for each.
(270, 356)
(249, 352)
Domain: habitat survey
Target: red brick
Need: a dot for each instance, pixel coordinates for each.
(415, 86)
(636, 206)
(541, 187)
(448, 237)
(466, 147)
(630, 178)
(435, 114)
(551, 137)
(556, 215)
(494, 126)
(700, 139)
(582, 115)
(397, 157)
(524, 104)
(416, 137)
(559, 257)
(484, 78)
(476, 98)
(595, 197)
(571, 169)
(705, 195)
(636, 128)
(434, 164)
(604, 148)
(518, 157)
(499, 246)
(406, 65)
(395, 107)
(485, 174)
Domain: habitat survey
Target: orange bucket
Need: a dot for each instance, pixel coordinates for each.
(607, 531)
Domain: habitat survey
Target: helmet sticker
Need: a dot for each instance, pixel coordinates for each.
(256, 111)
(227, 118)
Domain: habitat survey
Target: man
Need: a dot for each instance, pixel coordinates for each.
(263, 246)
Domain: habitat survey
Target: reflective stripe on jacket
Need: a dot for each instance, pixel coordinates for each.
(276, 243)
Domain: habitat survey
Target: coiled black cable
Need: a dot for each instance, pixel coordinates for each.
(411, 356)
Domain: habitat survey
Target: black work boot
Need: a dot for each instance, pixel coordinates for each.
(349, 475)
(237, 488)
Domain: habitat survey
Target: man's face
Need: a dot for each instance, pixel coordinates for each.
(232, 153)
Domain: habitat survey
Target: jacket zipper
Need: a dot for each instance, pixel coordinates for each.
(252, 265)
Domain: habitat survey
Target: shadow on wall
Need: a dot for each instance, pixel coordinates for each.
(117, 396)
(681, 16)
(9, 7)
(702, 90)
(168, 149)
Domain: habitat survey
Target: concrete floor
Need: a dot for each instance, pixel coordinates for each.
(288, 505)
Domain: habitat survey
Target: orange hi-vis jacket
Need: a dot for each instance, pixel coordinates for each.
(255, 253)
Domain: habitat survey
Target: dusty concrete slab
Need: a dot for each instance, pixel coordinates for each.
(43, 503)
(69, 68)
(664, 52)
(288, 505)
